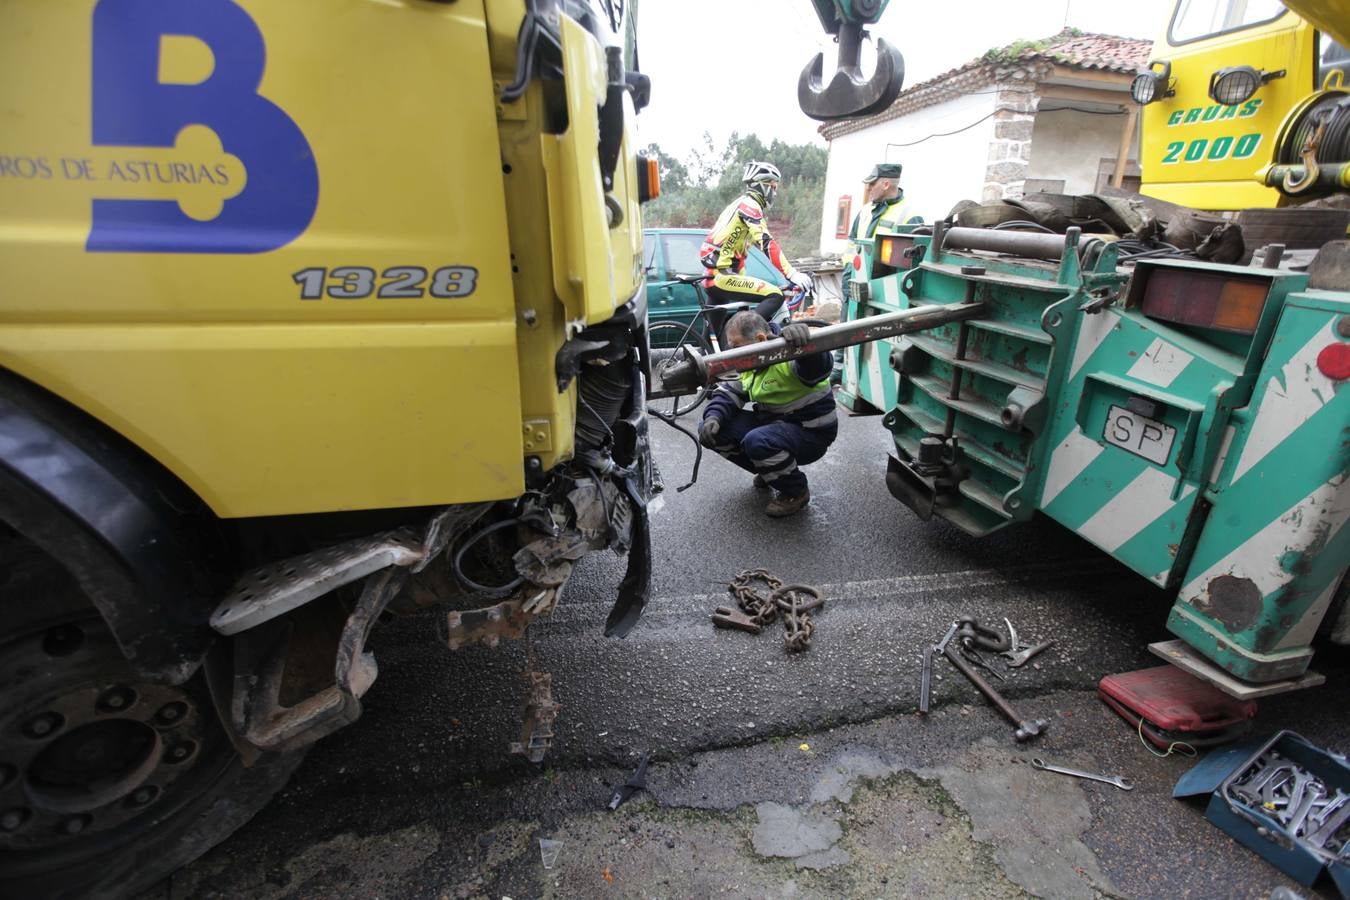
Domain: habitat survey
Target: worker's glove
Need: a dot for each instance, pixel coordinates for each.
(707, 432)
(803, 281)
(797, 334)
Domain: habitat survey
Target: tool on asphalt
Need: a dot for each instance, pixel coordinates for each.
(926, 681)
(1019, 654)
(926, 675)
(974, 658)
(941, 646)
(1116, 780)
(1171, 708)
(974, 636)
(759, 608)
(636, 782)
(726, 617)
(1026, 729)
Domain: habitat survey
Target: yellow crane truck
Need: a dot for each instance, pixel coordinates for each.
(315, 300)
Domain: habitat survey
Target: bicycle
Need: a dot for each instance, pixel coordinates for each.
(665, 338)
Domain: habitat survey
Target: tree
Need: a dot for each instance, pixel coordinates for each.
(694, 191)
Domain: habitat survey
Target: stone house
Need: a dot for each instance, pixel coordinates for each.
(1052, 115)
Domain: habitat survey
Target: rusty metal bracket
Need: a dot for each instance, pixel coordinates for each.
(259, 711)
(536, 729)
(487, 625)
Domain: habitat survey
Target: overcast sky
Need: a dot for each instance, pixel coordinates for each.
(732, 65)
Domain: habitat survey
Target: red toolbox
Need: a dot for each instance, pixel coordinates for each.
(1168, 705)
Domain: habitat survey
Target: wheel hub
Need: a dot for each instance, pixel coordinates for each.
(82, 750)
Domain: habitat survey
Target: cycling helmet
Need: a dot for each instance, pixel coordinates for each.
(762, 178)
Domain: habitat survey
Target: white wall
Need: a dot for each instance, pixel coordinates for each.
(1070, 145)
(937, 173)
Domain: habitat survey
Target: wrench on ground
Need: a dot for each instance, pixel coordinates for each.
(1019, 654)
(1115, 780)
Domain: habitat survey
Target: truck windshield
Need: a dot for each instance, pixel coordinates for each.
(1196, 19)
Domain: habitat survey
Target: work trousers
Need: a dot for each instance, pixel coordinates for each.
(773, 448)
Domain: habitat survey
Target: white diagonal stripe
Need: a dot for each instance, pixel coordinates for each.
(891, 290)
(1314, 519)
(1305, 390)
(1311, 620)
(1092, 330)
(878, 397)
(1133, 509)
(880, 375)
(1161, 363)
(1067, 462)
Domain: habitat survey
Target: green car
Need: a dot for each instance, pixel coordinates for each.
(674, 251)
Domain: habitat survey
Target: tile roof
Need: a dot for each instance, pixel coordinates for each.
(1090, 51)
(1069, 49)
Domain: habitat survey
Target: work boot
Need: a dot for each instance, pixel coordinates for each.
(783, 505)
(760, 483)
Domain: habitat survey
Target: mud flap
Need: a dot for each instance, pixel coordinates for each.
(634, 450)
(636, 586)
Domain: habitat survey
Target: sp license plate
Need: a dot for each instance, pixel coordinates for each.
(1140, 435)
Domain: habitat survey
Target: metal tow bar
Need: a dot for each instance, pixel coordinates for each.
(693, 370)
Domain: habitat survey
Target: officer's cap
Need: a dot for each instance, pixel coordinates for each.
(882, 170)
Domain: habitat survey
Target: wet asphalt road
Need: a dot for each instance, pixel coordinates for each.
(418, 799)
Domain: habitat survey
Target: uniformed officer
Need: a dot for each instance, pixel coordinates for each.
(881, 189)
(793, 421)
(884, 204)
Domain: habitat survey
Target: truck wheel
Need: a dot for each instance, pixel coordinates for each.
(108, 780)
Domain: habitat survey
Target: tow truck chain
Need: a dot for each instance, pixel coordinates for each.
(794, 601)
(760, 607)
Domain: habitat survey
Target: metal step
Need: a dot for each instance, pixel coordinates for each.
(271, 591)
(978, 408)
(995, 370)
(998, 326)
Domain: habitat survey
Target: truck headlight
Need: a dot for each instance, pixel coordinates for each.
(1152, 83)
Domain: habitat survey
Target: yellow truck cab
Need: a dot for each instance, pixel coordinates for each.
(313, 310)
(1227, 92)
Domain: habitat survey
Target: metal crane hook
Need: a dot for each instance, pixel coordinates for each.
(850, 93)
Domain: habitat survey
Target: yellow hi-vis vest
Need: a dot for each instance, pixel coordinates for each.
(778, 389)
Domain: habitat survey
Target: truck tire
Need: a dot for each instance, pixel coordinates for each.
(108, 780)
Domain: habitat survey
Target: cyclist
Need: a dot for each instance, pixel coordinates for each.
(740, 227)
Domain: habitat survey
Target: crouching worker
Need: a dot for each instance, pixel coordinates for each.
(792, 421)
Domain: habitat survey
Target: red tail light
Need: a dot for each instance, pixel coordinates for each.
(1217, 300)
